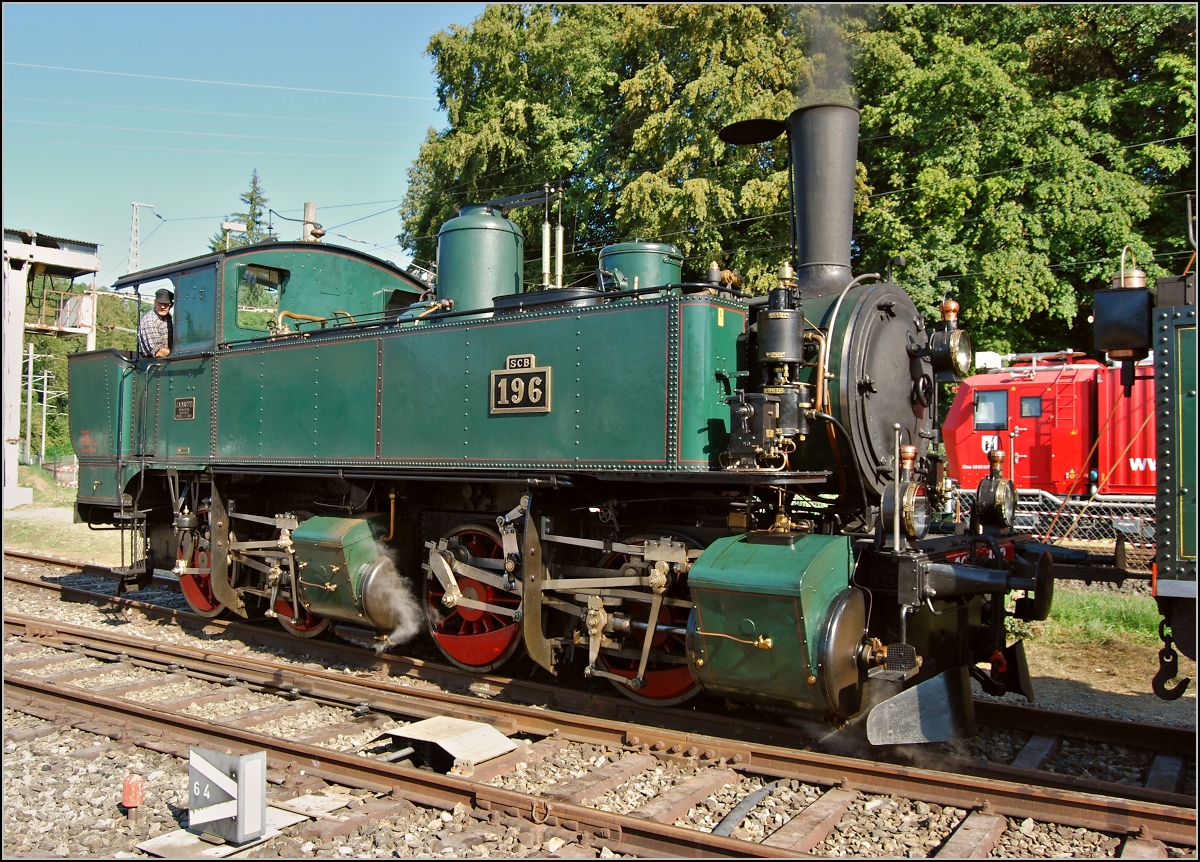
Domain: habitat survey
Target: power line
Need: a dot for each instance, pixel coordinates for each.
(218, 113)
(364, 218)
(206, 134)
(1030, 166)
(196, 150)
(223, 83)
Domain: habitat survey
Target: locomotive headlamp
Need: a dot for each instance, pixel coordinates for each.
(914, 511)
(950, 350)
(996, 498)
(914, 508)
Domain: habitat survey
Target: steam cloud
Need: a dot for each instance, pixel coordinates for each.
(831, 81)
(402, 599)
(404, 604)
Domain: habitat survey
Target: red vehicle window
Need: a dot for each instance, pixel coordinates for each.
(991, 410)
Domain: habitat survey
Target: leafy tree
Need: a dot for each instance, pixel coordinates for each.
(1008, 152)
(1010, 174)
(255, 219)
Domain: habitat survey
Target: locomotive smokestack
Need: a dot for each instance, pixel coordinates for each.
(824, 145)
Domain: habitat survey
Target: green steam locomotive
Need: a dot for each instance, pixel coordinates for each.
(662, 483)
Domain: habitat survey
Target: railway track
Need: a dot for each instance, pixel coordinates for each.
(731, 747)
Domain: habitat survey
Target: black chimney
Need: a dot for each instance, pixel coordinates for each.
(824, 143)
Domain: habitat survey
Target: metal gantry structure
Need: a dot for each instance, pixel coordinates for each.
(29, 255)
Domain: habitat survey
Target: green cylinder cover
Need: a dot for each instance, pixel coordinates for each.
(335, 556)
(481, 255)
(746, 593)
(653, 264)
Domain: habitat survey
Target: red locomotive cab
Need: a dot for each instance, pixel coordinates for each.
(1046, 412)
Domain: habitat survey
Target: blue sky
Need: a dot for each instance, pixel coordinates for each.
(157, 110)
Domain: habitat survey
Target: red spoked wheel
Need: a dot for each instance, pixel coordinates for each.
(665, 683)
(197, 586)
(473, 639)
(306, 625)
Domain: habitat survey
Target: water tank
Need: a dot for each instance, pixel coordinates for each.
(652, 263)
(480, 256)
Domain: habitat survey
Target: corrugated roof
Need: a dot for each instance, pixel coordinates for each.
(45, 240)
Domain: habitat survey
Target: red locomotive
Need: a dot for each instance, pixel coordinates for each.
(1065, 422)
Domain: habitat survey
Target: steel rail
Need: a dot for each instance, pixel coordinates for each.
(1166, 739)
(620, 833)
(1171, 818)
(1096, 728)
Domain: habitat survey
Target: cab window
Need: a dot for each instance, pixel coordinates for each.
(1031, 406)
(991, 410)
(258, 291)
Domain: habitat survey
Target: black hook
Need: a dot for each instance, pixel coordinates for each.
(1168, 668)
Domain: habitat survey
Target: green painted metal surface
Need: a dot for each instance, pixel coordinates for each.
(642, 265)
(605, 409)
(708, 358)
(101, 384)
(195, 310)
(185, 408)
(316, 282)
(295, 399)
(101, 395)
(432, 392)
(480, 255)
(333, 554)
(1185, 399)
(744, 592)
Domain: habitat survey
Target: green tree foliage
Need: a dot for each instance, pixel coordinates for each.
(255, 219)
(1009, 153)
(1013, 151)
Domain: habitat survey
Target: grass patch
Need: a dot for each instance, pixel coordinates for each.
(45, 492)
(1099, 617)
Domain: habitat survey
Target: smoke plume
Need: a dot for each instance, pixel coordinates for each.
(830, 81)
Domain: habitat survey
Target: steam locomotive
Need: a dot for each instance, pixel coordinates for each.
(665, 484)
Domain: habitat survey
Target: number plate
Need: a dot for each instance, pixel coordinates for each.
(185, 408)
(521, 387)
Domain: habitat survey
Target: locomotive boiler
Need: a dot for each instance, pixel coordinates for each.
(661, 483)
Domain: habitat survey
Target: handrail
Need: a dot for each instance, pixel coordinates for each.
(297, 316)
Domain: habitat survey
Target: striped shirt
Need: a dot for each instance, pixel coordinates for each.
(154, 333)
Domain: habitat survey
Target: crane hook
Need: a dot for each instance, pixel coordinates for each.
(1168, 667)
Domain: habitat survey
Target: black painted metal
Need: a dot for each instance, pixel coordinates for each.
(824, 144)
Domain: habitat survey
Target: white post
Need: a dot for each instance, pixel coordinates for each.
(29, 409)
(45, 386)
(16, 272)
(235, 227)
(558, 255)
(91, 333)
(310, 222)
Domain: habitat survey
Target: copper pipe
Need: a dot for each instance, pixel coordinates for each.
(392, 520)
(437, 305)
(279, 318)
(819, 337)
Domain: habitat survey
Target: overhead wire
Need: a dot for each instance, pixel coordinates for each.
(222, 83)
(206, 134)
(217, 113)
